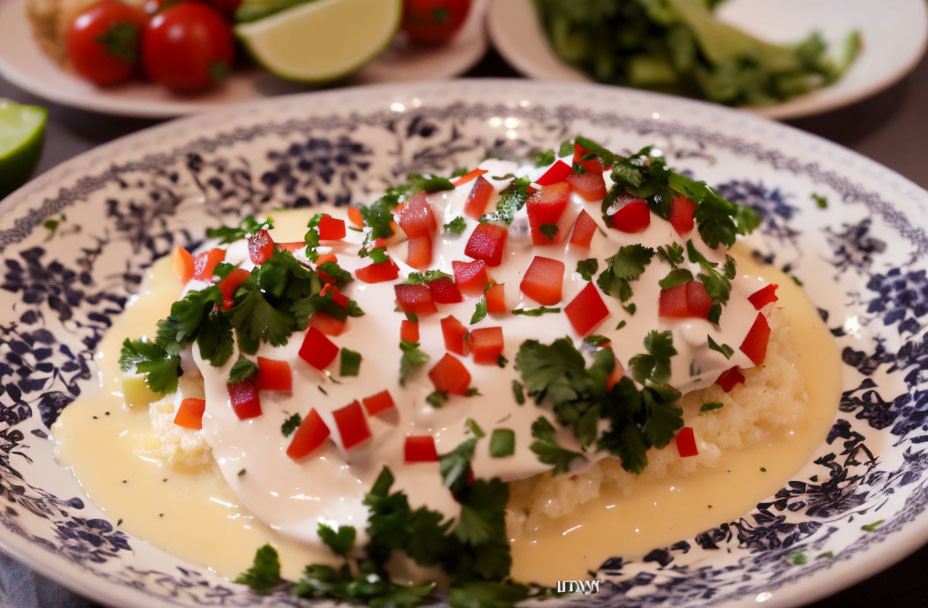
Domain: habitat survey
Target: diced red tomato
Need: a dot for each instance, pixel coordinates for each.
(229, 284)
(615, 376)
(326, 323)
(764, 296)
(633, 216)
(244, 398)
(543, 280)
(205, 263)
(415, 299)
(469, 176)
(455, 335)
(487, 345)
(547, 207)
(729, 378)
(190, 413)
(352, 425)
(381, 402)
(589, 185)
(584, 229)
(324, 258)
(686, 443)
(478, 198)
(470, 277)
(681, 214)
(419, 252)
(444, 291)
(355, 217)
(378, 273)
(183, 264)
(337, 296)
(330, 228)
(416, 217)
(291, 246)
(450, 375)
(487, 243)
(755, 343)
(274, 375)
(686, 300)
(310, 435)
(260, 247)
(409, 330)
(557, 173)
(317, 350)
(587, 310)
(496, 298)
(593, 165)
(420, 448)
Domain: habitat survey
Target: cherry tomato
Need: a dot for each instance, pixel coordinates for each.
(434, 21)
(188, 47)
(226, 7)
(103, 42)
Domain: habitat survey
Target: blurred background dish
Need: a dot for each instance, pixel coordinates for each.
(31, 56)
(893, 37)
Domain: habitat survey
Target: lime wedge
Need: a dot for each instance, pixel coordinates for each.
(22, 131)
(322, 40)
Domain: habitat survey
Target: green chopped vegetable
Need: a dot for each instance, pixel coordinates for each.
(710, 406)
(350, 362)
(502, 443)
(291, 424)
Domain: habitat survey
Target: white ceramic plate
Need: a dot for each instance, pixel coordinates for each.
(864, 261)
(895, 34)
(24, 64)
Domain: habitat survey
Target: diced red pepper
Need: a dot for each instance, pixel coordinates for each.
(309, 436)
(755, 343)
(686, 443)
(420, 448)
(686, 300)
(543, 280)
(378, 273)
(416, 217)
(470, 277)
(415, 299)
(317, 350)
(450, 375)
(487, 242)
(274, 375)
(584, 229)
(469, 176)
(455, 335)
(205, 263)
(229, 284)
(633, 216)
(587, 310)
(615, 376)
(381, 402)
(496, 298)
(681, 214)
(486, 344)
(352, 425)
(183, 264)
(764, 296)
(246, 403)
(409, 330)
(591, 185)
(593, 165)
(557, 173)
(260, 247)
(330, 228)
(324, 258)
(292, 246)
(190, 413)
(326, 323)
(729, 378)
(419, 252)
(444, 291)
(478, 198)
(547, 207)
(355, 217)
(337, 296)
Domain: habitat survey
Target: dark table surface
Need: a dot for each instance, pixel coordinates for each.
(891, 128)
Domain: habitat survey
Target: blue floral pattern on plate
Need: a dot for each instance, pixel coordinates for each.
(131, 202)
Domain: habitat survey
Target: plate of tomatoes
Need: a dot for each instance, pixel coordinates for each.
(164, 58)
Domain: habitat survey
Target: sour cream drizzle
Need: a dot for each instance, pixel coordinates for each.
(329, 484)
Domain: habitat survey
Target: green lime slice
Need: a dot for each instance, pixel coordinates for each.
(322, 40)
(22, 131)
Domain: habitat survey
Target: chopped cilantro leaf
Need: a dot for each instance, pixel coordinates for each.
(596, 149)
(820, 201)
(596, 340)
(291, 424)
(799, 559)
(379, 215)
(455, 465)
(566, 148)
(621, 324)
(825, 555)
(161, 369)
(710, 406)
(545, 446)
(458, 172)
(223, 269)
(416, 278)
(487, 594)
(502, 443)
(256, 320)
(342, 277)
(626, 265)
(654, 366)
(543, 159)
(245, 228)
(677, 276)
(587, 268)
(480, 312)
(535, 312)
(350, 362)
(726, 350)
(420, 183)
(511, 200)
(518, 392)
(411, 359)
(549, 230)
(475, 428)
(502, 361)
(456, 226)
(872, 527)
(341, 542)
(437, 399)
(243, 369)
(264, 573)
(671, 253)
